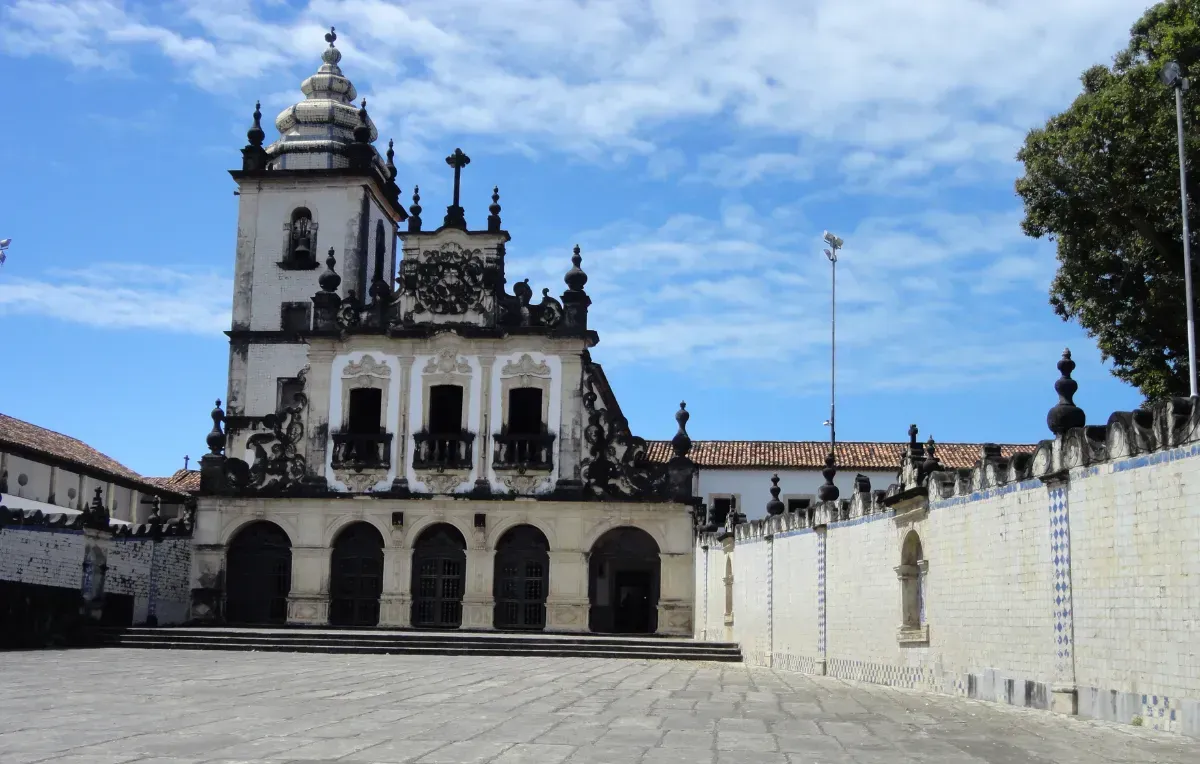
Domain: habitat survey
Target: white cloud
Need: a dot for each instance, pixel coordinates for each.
(124, 296)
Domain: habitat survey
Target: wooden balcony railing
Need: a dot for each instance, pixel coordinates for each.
(443, 451)
(524, 452)
(362, 450)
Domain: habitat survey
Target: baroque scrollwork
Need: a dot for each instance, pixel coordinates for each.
(278, 464)
(449, 281)
(441, 482)
(516, 310)
(525, 366)
(366, 367)
(615, 464)
(447, 361)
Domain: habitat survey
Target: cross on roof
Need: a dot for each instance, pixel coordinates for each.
(454, 213)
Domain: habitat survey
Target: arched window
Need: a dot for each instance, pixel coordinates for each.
(911, 573)
(301, 233)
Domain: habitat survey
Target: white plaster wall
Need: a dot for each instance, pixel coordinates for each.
(265, 365)
(794, 600)
(37, 478)
(47, 557)
(750, 587)
(753, 486)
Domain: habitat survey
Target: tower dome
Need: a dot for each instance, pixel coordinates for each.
(317, 132)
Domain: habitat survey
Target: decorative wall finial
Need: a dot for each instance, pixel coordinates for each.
(828, 491)
(414, 212)
(216, 438)
(155, 512)
(775, 506)
(494, 209)
(455, 216)
(362, 132)
(391, 163)
(931, 463)
(329, 280)
(575, 277)
(255, 134)
(1065, 415)
(681, 442)
(912, 435)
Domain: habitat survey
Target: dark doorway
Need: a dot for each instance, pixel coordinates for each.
(522, 576)
(356, 576)
(445, 409)
(525, 411)
(118, 610)
(258, 575)
(366, 411)
(439, 570)
(623, 581)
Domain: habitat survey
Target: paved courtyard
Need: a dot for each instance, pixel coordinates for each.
(183, 707)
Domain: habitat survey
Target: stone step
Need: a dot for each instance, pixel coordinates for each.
(415, 642)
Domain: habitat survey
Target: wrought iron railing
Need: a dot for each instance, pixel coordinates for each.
(525, 452)
(358, 450)
(445, 451)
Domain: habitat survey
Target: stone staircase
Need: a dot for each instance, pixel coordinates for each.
(364, 641)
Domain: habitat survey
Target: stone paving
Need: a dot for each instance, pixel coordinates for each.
(186, 707)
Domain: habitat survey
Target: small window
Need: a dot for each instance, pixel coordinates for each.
(296, 317)
(287, 390)
(525, 411)
(720, 509)
(798, 505)
(366, 409)
(445, 409)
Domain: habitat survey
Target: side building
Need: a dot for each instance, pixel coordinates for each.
(405, 442)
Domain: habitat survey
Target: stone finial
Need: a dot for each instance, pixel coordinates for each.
(156, 517)
(391, 160)
(828, 491)
(775, 506)
(681, 443)
(576, 278)
(931, 461)
(912, 434)
(414, 212)
(216, 438)
(331, 55)
(96, 515)
(329, 280)
(1065, 415)
(494, 211)
(255, 134)
(362, 131)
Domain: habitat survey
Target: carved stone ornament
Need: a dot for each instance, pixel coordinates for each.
(517, 310)
(367, 367)
(525, 367)
(447, 362)
(441, 482)
(523, 484)
(361, 482)
(449, 281)
(278, 465)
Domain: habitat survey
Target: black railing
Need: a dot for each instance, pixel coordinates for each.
(525, 452)
(445, 451)
(358, 450)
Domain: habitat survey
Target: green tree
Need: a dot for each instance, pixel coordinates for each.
(1102, 181)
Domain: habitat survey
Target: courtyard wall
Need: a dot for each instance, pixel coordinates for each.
(1066, 579)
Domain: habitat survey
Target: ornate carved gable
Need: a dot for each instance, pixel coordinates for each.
(367, 367)
(447, 361)
(525, 366)
(449, 281)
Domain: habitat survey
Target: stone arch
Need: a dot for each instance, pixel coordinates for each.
(521, 578)
(438, 576)
(235, 527)
(258, 574)
(912, 581)
(608, 524)
(414, 531)
(356, 575)
(624, 569)
(504, 526)
(340, 522)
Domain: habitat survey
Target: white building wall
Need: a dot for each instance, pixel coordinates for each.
(42, 556)
(752, 487)
(794, 598)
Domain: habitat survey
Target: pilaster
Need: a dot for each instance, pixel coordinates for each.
(822, 533)
(208, 562)
(567, 603)
(403, 434)
(308, 601)
(770, 538)
(95, 569)
(1064, 695)
(478, 601)
(395, 602)
(677, 578)
(484, 457)
(570, 428)
(317, 388)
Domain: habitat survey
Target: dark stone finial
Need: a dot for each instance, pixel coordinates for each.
(494, 209)
(931, 463)
(414, 212)
(255, 134)
(775, 506)
(828, 491)
(329, 280)
(576, 278)
(391, 160)
(331, 36)
(681, 443)
(362, 132)
(216, 438)
(97, 501)
(1065, 415)
(96, 515)
(912, 435)
(155, 512)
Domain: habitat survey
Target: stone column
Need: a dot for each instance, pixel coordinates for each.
(308, 601)
(317, 388)
(484, 441)
(395, 604)
(403, 433)
(570, 427)
(567, 603)
(1064, 693)
(478, 603)
(676, 576)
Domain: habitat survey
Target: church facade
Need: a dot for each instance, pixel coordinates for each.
(404, 441)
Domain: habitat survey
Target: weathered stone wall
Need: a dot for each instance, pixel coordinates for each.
(1068, 579)
(43, 556)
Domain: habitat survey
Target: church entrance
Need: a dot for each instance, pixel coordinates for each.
(356, 576)
(623, 579)
(522, 575)
(439, 569)
(258, 575)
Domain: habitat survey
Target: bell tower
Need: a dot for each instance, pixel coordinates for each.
(321, 189)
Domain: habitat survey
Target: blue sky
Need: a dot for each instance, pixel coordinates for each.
(695, 149)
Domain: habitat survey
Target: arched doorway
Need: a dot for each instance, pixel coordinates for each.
(623, 573)
(258, 575)
(522, 575)
(439, 568)
(356, 576)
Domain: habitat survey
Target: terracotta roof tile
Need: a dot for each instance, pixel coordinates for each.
(810, 454)
(40, 441)
(184, 481)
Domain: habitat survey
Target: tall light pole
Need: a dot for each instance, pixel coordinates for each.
(1172, 77)
(834, 245)
(4, 248)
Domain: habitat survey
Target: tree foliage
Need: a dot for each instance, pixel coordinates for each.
(1102, 181)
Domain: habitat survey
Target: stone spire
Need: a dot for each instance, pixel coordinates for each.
(494, 211)
(329, 280)
(775, 506)
(681, 443)
(414, 212)
(216, 438)
(1065, 415)
(254, 156)
(828, 491)
(575, 300)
